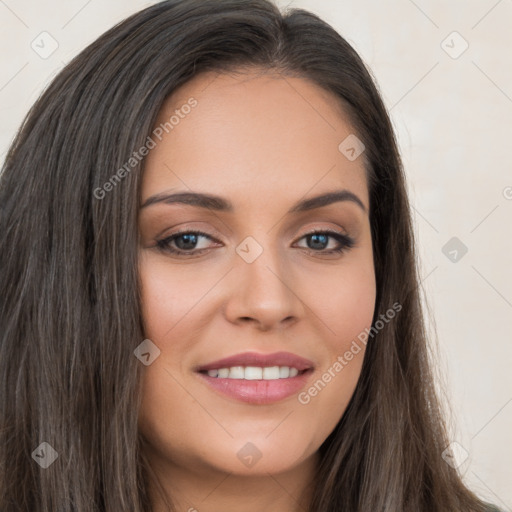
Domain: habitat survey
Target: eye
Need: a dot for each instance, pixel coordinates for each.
(185, 242)
(319, 241)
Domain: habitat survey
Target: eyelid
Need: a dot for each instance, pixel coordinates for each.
(210, 232)
(324, 230)
(165, 241)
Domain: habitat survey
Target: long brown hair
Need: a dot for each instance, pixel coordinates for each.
(70, 307)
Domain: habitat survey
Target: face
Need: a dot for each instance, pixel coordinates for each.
(246, 274)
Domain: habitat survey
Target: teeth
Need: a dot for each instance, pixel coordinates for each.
(254, 372)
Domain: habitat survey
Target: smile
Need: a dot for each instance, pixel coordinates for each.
(257, 386)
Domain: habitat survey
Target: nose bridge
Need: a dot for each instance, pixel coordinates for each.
(262, 290)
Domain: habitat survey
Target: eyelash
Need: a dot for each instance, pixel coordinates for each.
(346, 242)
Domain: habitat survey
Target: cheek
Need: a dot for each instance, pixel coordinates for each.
(168, 412)
(342, 299)
(344, 303)
(169, 295)
(349, 305)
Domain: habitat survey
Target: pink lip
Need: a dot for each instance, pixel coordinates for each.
(258, 391)
(261, 360)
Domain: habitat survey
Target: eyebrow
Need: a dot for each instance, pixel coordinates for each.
(217, 203)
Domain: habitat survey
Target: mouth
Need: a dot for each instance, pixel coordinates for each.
(257, 378)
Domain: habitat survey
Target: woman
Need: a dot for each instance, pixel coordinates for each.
(210, 293)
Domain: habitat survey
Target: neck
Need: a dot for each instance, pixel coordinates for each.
(194, 489)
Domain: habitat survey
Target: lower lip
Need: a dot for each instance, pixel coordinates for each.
(258, 391)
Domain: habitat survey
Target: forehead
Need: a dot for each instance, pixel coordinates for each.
(252, 134)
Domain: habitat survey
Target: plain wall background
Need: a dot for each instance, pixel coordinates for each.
(452, 112)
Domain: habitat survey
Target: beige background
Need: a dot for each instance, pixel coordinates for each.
(453, 117)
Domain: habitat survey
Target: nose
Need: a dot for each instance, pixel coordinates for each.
(263, 293)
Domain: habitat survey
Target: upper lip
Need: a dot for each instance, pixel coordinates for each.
(259, 360)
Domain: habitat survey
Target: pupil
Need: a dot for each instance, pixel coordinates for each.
(189, 238)
(315, 241)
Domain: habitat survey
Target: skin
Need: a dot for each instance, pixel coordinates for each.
(264, 143)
